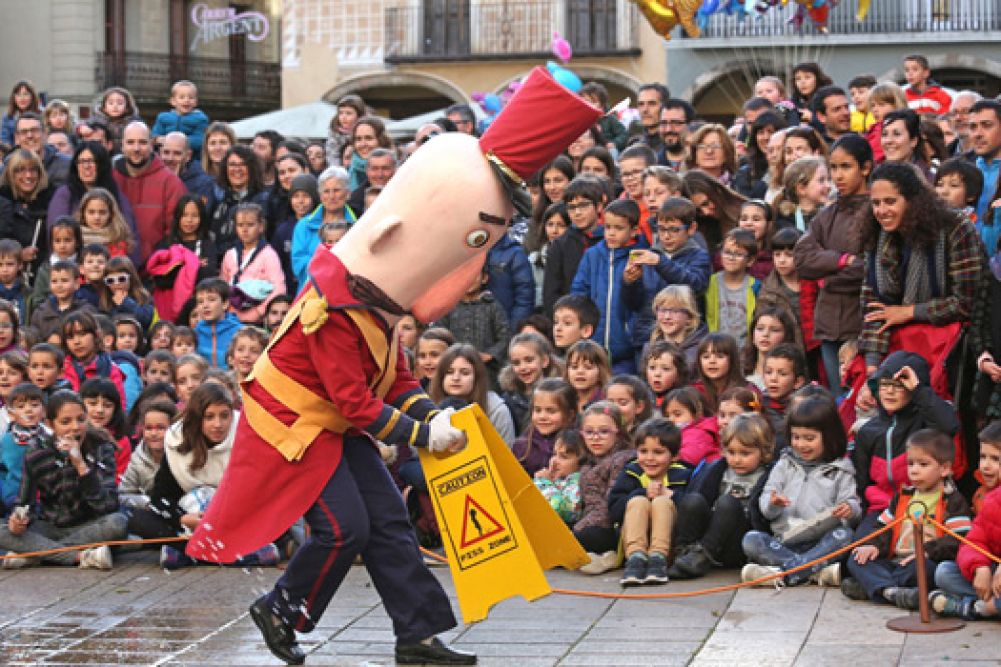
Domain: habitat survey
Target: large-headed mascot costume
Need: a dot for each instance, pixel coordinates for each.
(333, 381)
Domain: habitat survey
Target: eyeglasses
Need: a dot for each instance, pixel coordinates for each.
(86, 162)
(116, 279)
(891, 384)
(734, 254)
(705, 148)
(600, 433)
(29, 130)
(673, 229)
(632, 174)
(6, 326)
(673, 123)
(672, 311)
(573, 208)
(236, 165)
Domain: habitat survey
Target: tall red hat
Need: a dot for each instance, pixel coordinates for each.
(535, 126)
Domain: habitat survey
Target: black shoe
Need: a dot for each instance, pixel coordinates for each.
(905, 598)
(852, 589)
(635, 572)
(435, 653)
(656, 569)
(695, 562)
(278, 635)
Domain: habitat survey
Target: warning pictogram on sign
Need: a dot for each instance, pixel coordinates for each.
(478, 524)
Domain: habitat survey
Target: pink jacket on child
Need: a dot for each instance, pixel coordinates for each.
(265, 265)
(700, 442)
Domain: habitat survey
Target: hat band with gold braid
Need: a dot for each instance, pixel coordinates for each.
(513, 184)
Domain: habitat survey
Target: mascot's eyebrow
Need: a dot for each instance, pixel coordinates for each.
(492, 219)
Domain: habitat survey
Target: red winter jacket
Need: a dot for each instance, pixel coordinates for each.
(169, 301)
(153, 194)
(986, 533)
(934, 99)
(700, 442)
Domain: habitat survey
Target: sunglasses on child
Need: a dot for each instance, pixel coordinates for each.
(116, 279)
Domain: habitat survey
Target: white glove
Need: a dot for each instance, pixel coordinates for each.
(442, 436)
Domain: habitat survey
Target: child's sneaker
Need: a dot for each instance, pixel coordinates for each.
(174, 559)
(753, 572)
(952, 605)
(829, 576)
(635, 572)
(12, 561)
(601, 563)
(98, 558)
(852, 589)
(905, 598)
(656, 570)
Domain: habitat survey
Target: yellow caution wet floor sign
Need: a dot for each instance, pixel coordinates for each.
(500, 533)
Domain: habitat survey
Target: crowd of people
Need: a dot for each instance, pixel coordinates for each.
(710, 346)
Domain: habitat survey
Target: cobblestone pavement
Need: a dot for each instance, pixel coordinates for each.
(139, 614)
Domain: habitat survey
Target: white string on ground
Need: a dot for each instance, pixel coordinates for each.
(222, 628)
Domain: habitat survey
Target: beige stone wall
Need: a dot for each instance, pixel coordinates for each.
(327, 43)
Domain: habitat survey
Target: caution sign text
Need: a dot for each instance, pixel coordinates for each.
(476, 522)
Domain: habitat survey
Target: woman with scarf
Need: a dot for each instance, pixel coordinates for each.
(368, 134)
(924, 262)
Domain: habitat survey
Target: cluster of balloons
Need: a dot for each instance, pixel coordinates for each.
(492, 103)
(693, 15)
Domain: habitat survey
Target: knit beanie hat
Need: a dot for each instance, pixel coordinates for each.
(305, 183)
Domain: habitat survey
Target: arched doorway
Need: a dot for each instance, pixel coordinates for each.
(961, 72)
(719, 94)
(399, 95)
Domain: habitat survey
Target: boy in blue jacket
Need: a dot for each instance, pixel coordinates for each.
(682, 262)
(216, 327)
(599, 277)
(644, 501)
(185, 117)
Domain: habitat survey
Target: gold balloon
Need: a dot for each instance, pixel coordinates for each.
(664, 15)
(863, 9)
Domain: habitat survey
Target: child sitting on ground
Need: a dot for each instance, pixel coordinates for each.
(884, 569)
(609, 450)
(906, 404)
(644, 501)
(721, 504)
(137, 482)
(960, 594)
(559, 482)
(809, 499)
(553, 409)
(26, 409)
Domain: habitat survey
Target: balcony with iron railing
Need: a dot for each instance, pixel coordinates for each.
(221, 81)
(502, 30)
(891, 20)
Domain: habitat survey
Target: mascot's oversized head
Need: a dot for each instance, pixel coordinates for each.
(425, 238)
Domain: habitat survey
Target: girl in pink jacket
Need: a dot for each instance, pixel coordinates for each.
(252, 267)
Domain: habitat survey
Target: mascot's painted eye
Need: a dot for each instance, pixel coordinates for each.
(477, 238)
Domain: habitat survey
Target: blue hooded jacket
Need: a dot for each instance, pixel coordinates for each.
(222, 332)
(305, 238)
(691, 266)
(192, 124)
(511, 280)
(599, 277)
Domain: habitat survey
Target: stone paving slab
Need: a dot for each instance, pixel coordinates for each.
(138, 614)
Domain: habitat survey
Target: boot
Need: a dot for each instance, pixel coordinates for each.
(693, 563)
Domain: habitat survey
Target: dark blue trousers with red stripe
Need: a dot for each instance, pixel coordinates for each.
(360, 511)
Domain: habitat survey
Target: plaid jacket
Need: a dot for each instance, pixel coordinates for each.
(66, 498)
(966, 262)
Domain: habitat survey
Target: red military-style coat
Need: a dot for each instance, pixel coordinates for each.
(262, 493)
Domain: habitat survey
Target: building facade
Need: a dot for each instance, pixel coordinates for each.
(406, 57)
(960, 38)
(74, 49)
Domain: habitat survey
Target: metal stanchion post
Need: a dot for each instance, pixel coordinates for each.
(923, 623)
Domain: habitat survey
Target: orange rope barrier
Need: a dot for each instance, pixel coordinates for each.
(715, 589)
(975, 547)
(81, 547)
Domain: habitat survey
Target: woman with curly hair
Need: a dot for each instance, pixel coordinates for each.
(923, 261)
